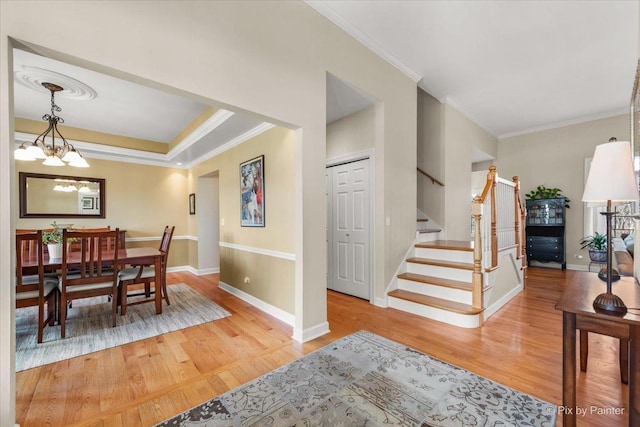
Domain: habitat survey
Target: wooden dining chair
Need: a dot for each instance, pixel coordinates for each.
(145, 274)
(107, 242)
(91, 271)
(33, 287)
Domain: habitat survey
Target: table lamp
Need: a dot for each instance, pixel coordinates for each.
(611, 179)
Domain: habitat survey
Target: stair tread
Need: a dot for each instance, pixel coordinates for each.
(423, 219)
(438, 281)
(434, 302)
(440, 263)
(429, 230)
(455, 245)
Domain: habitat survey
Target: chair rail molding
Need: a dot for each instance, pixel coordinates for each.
(260, 251)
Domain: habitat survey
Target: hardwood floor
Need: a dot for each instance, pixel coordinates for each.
(145, 382)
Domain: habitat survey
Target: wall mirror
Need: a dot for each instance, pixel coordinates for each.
(60, 196)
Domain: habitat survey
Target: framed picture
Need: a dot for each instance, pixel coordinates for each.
(87, 203)
(192, 204)
(252, 193)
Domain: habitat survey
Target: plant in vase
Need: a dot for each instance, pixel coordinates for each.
(53, 239)
(597, 245)
(542, 192)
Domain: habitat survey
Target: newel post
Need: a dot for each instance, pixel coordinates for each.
(516, 212)
(476, 281)
(494, 218)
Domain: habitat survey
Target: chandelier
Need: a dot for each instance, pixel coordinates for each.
(53, 155)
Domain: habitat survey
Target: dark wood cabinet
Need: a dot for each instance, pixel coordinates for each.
(545, 231)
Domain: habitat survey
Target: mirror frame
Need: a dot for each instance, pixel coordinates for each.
(24, 209)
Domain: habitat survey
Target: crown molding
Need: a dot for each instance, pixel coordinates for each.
(128, 155)
(576, 121)
(453, 104)
(210, 124)
(347, 27)
(251, 133)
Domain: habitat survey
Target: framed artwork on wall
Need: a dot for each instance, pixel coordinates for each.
(192, 204)
(252, 192)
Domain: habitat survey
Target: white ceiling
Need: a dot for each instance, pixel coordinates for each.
(510, 66)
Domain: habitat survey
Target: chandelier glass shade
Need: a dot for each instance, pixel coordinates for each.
(45, 146)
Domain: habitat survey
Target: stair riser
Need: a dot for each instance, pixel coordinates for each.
(452, 318)
(443, 292)
(444, 255)
(429, 237)
(437, 271)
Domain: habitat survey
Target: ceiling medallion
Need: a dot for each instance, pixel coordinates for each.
(35, 78)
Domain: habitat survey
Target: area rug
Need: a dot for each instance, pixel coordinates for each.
(366, 380)
(89, 326)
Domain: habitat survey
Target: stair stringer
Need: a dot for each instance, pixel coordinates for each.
(500, 285)
(507, 281)
(402, 268)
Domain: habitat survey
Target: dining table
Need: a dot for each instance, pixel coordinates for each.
(126, 256)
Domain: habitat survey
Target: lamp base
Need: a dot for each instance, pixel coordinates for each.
(602, 274)
(609, 304)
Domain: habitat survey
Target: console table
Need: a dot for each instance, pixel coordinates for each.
(578, 313)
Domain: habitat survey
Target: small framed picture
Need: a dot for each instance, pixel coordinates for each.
(192, 204)
(252, 193)
(87, 203)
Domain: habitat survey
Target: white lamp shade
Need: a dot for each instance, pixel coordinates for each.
(79, 163)
(611, 176)
(71, 156)
(21, 153)
(36, 152)
(53, 161)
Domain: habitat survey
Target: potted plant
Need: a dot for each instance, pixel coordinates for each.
(53, 239)
(542, 192)
(597, 245)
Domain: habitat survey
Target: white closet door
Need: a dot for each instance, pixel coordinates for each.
(348, 222)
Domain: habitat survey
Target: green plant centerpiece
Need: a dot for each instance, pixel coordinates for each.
(53, 239)
(597, 244)
(542, 192)
(52, 236)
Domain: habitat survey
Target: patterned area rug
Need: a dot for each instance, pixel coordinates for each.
(362, 380)
(89, 326)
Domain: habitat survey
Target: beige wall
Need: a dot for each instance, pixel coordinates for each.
(555, 158)
(272, 278)
(431, 151)
(139, 198)
(352, 134)
(461, 136)
(268, 58)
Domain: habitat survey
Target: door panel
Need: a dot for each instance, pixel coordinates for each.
(348, 240)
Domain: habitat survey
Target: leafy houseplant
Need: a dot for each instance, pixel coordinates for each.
(542, 192)
(597, 245)
(53, 239)
(52, 236)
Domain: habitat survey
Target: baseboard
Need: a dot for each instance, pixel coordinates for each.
(579, 267)
(193, 270)
(310, 333)
(208, 271)
(381, 302)
(279, 314)
(489, 311)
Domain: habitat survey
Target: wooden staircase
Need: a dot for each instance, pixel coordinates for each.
(437, 283)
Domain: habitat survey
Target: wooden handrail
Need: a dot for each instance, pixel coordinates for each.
(489, 191)
(491, 182)
(433, 180)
